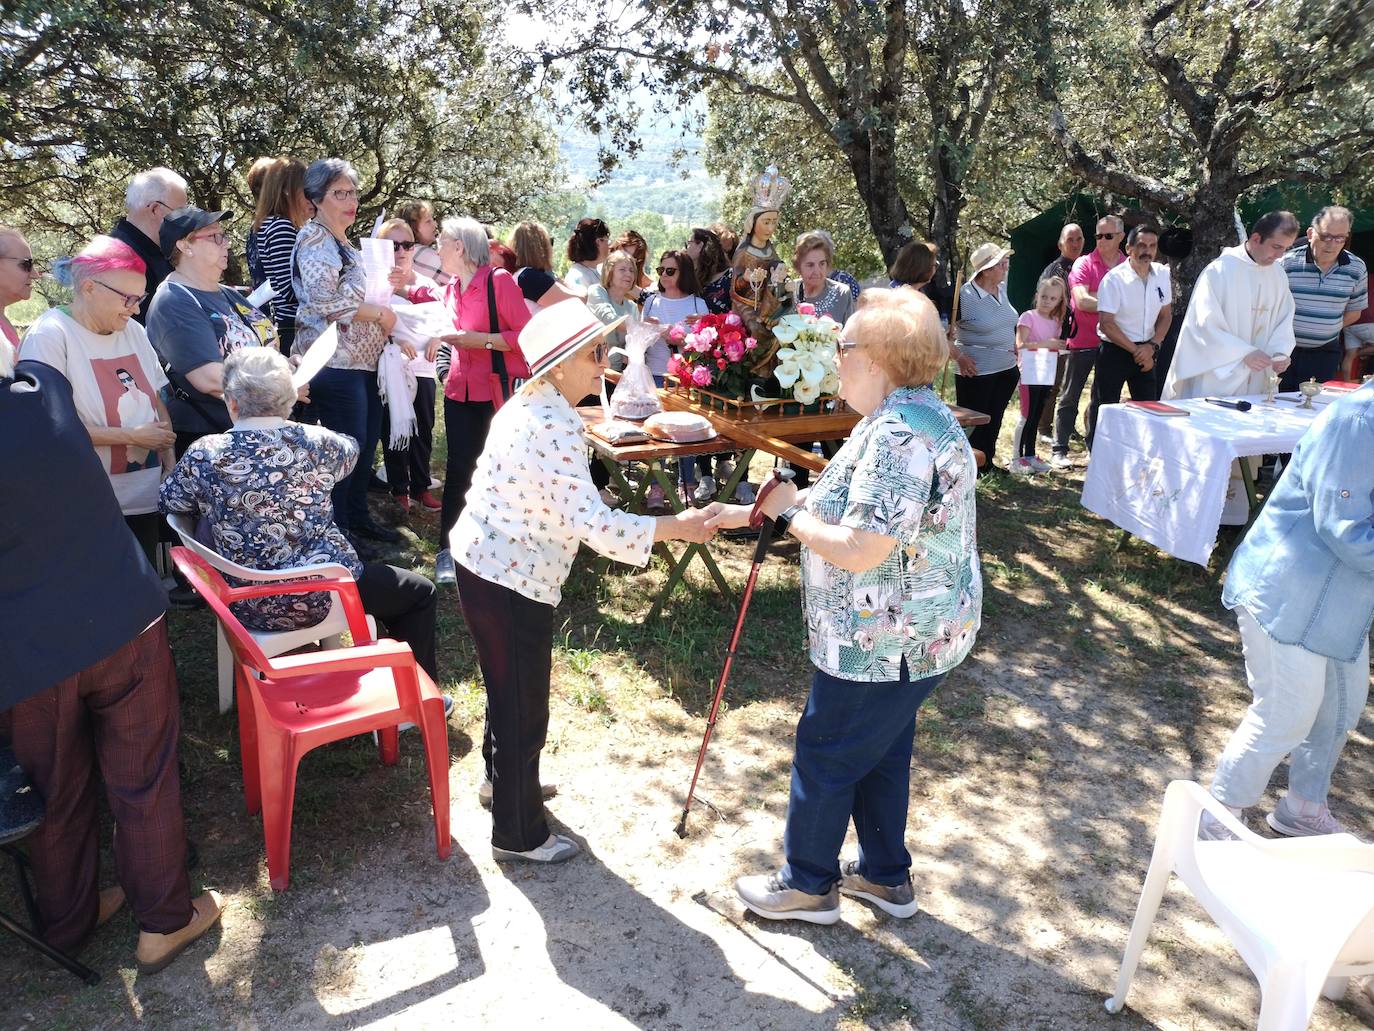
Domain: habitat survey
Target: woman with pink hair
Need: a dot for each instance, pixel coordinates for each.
(115, 375)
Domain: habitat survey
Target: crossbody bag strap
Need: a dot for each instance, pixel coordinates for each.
(498, 358)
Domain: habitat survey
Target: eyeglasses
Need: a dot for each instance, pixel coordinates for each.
(130, 300)
(1333, 237)
(1107, 236)
(27, 264)
(844, 347)
(343, 195)
(218, 238)
(402, 245)
(666, 271)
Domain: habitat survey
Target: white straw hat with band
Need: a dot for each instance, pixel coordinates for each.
(987, 255)
(558, 332)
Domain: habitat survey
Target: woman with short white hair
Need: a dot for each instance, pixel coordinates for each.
(488, 311)
(264, 488)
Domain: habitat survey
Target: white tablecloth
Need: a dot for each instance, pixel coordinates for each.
(1165, 479)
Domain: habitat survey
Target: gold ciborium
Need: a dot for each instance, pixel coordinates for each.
(1309, 390)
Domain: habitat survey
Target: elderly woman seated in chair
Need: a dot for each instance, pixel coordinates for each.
(264, 490)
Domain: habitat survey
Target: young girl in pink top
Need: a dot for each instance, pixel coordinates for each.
(1036, 329)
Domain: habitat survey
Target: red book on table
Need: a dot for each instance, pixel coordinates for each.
(1158, 408)
(1340, 384)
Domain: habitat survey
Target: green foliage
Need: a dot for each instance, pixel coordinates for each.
(404, 89)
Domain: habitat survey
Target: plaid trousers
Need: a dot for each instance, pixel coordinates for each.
(122, 716)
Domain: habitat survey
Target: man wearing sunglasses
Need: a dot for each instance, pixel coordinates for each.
(17, 274)
(1087, 275)
(1330, 289)
(151, 196)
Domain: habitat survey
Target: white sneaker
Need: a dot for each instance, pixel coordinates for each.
(744, 493)
(706, 491)
(1022, 467)
(1046, 438)
(435, 483)
(556, 849)
(1040, 465)
(1058, 461)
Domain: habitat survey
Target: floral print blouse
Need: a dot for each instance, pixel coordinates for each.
(907, 472)
(328, 278)
(533, 502)
(264, 488)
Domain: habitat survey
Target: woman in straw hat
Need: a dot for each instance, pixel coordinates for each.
(986, 344)
(531, 504)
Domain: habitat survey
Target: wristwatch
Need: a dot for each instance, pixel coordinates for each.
(784, 521)
(488, 345)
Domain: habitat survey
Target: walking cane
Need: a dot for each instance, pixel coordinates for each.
(765, 527)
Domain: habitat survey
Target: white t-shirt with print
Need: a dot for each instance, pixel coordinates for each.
(115, 380)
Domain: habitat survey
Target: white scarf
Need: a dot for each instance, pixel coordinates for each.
(396, 384)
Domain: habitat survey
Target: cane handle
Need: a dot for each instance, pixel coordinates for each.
(756, 515)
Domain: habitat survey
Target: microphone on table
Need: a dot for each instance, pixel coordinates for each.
(1239, 406)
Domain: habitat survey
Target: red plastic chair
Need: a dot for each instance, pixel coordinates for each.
(293, 703)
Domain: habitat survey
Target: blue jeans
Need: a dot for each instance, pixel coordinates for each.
(853, 760)
(346, 401)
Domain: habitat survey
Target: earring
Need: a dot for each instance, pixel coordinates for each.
(188, 254)
(557, 373)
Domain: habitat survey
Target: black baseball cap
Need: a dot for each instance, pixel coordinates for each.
(182, 222)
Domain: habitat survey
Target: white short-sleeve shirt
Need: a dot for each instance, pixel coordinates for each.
(1134, 301)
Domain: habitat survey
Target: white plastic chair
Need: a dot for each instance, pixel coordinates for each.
(273, 642)
(1299, 911)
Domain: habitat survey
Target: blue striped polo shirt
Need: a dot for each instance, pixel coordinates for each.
(1321, 299)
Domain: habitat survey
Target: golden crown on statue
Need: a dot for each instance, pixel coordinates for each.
(771, 189)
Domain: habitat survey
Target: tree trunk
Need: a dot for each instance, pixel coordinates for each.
(872, 156)
(946, 210)
(1213, 222)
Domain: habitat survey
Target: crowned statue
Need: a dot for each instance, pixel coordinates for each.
(758, 271)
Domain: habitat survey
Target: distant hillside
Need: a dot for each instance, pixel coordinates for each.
(680, 191)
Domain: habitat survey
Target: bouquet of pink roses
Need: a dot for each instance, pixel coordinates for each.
(713, 351)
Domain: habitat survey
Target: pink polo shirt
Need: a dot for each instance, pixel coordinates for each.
(469, 376)
(1088, 271)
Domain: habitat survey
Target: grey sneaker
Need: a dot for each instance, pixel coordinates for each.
(899, 900)
(771, 899)
(705, 492)
(1286, 820)
(724, 470)
(1209, 828)
(557, 849)
(443, 568)
(1060, 461)
(546, 790)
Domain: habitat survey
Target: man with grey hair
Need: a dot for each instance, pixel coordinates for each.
(1070, 249)
(1083, 346)
(1330, 288)
(150, 197)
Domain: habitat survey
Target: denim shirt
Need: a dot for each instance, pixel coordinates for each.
(1305, 571)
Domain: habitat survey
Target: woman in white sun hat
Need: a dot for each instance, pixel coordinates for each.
(531, 504)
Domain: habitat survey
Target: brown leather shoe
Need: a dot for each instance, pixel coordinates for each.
(155, 951)
(111, 902)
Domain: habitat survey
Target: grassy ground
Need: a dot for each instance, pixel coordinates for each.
(1100, 674)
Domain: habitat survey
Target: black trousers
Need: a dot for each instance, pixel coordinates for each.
(1116, 369)
(987, 394)
(404, 604)
(466, 424)
(407, 468)
(514, 640)
(1320, 363)
(1081, 363)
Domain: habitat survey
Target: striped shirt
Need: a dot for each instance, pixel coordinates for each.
(987, 328)
(1322, 299)
(270, 255)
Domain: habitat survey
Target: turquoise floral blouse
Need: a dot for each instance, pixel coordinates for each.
(907, 472)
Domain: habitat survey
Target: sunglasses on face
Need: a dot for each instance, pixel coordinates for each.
(601, 352)
(402, 245)
(130, 300)
(1333, 237)
(666, 271)
(1106, 236)
(27, 264)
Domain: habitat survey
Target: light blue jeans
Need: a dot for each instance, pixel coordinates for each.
(1305, 706)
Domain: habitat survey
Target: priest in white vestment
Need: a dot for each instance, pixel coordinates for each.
(1239, 326)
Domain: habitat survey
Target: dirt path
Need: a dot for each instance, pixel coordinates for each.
(1040, 766)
